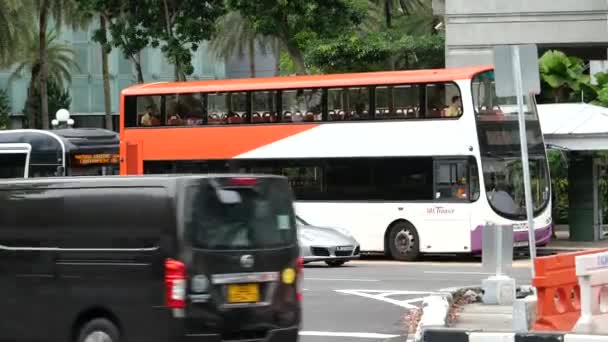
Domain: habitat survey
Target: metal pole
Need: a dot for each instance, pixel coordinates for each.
(524, 152)
(498, 249)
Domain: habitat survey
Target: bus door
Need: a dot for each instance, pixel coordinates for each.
(15, 160)
(450, 214)
(131, 154)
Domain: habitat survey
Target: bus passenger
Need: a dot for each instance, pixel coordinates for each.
(454, 108)
(149, 119)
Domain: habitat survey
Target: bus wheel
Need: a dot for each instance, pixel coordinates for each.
(98, 330)
(403, 241)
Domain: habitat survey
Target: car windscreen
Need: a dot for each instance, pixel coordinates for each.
(222, 216)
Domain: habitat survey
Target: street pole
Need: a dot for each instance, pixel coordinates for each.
(524, 152)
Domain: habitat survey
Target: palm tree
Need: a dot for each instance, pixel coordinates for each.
(62, 11)
(392, 8)
(237, 34)
(61, 62)
(16, 19)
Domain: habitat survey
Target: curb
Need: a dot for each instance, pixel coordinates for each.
(435, 311)
(457, 335)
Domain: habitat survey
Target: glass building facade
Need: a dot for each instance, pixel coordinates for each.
(86, 89)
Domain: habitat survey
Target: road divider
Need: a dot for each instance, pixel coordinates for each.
(458, 335)
(348, 334)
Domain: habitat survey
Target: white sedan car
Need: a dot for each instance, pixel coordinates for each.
(334, 246)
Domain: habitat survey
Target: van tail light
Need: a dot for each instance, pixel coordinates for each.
(300, 270)
(175, 284)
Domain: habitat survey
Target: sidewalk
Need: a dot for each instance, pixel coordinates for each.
(561, 243)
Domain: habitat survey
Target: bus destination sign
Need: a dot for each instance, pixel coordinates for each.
(93, 159)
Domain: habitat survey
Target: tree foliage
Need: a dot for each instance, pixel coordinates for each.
(297, 23)
(16, 21)
(236, 35)
(563, 74)
(5, 110)
(373, 52)
(177, 26)
(58, 98)
(60, 57)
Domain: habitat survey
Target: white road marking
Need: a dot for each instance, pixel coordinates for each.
(474, 264)
(341, 279)
(346, 334)
(458, 272)
(383, 295)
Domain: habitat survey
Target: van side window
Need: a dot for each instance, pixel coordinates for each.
(114, 218)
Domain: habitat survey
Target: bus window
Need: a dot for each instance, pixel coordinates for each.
(148, 111)
(348, 104)
(184, 109)
(443, 100)
(264, 106)
(227, 108)
(451, 180)
(398, 102)
(12, 165)
(46, 171)
(301, 105)
(217, 108)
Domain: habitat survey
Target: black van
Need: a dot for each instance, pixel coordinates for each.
(152, 258)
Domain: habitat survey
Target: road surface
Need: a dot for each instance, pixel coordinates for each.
(367, 300)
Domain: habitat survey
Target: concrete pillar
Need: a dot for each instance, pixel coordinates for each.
(581, 193)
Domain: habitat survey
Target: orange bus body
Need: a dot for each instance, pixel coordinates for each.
(227, 141)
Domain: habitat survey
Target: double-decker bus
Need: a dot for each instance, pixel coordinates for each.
(26, 153)
(409, 162)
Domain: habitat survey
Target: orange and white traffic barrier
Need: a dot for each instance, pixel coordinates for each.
(558, 305)
(592, 273)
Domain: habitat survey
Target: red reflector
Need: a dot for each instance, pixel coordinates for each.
(300, 269)
(243, 181)
(175, 284)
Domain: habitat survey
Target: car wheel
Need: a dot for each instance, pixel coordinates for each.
(403, 241)
(335, 263)
(99, 330)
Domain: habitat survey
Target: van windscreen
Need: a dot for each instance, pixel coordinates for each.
(220, 215)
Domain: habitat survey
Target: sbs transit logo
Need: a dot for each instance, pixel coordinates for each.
(438, 210)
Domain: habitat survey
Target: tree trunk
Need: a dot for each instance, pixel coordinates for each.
(177, 68)
(277, 57)
(387, 13)
(44, 68)
(30, 106)
(296, 54)
(251, 52)
(139, 74)
(105, 67)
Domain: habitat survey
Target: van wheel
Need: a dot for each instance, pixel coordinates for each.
(335, 263)
(99, 330)
(403, 243)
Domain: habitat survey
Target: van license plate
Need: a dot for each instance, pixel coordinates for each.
(243, 293)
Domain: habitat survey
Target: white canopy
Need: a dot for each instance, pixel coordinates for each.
(574, 126)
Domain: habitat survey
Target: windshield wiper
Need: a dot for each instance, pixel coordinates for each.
(494, 155)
